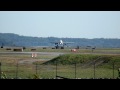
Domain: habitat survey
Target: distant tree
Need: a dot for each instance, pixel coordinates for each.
(10, 39)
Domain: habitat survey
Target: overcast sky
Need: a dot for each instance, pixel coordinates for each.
(71, 24)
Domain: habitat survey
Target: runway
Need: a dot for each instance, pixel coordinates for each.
(42, 53)
(30, 60)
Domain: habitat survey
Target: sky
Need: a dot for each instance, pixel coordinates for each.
(61, 24)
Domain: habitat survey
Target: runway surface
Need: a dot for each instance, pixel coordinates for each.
(42, 53)
(30, 61)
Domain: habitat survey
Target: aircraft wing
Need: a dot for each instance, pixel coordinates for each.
(68, 42)
(62, 42)
(55, 42)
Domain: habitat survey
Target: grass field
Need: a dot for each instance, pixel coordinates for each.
(11, 67)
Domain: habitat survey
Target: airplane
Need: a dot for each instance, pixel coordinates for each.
(61, 44)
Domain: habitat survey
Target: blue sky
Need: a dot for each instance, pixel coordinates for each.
(71, 24)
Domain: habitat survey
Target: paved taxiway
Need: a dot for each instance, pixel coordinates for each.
(42, 53)
(30, 61)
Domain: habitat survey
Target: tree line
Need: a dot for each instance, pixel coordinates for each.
(11, 39)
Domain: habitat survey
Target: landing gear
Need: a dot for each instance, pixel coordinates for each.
(59, 47)
(62, 47)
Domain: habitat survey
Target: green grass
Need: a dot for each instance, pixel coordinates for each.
(83, 58)
(49, 71)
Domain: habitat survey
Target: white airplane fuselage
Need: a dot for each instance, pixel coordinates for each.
(61, 42)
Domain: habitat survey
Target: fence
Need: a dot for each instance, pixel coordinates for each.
(57, 71)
